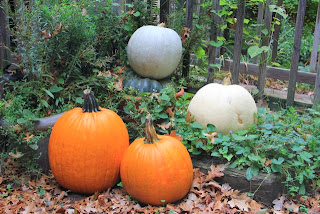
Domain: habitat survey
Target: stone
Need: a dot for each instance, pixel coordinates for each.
(266, 187)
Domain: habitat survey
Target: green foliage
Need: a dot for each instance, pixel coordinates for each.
(72, 38)
(285, 143)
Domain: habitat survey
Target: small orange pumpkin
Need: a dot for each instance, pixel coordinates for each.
(156, 169)
(86, 147)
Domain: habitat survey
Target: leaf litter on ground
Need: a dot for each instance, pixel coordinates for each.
(21, 194)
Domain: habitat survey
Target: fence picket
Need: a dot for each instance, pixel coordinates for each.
(186, 57)
(313, 62)
(238, 41)
(264, 54)
(296, 52)
(276, 34)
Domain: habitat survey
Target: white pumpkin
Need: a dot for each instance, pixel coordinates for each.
(228, 107)
(154, 51)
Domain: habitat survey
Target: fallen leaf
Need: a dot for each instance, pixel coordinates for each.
(215, 172)
(292, 207)
(241, 204)
(255, 207)
(268, 162)
(17, 128)
(174, 134)
(211, 136)
(165, 126)
(118, 84)
(189, 117)
(101, 200)
(170, 112)
(28, 137)
(61, 196)
(15, 155)
(278, 203)
(213, 184)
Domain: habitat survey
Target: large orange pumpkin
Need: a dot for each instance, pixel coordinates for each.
(86, 147)
(156, 169)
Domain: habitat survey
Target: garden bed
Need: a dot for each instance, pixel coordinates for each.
(265, 187)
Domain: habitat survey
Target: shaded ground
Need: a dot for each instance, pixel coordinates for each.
(20, 194)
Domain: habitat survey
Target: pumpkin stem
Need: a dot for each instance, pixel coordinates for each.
(151, 135)
(226, 81)
(90, 102)
(162, 24)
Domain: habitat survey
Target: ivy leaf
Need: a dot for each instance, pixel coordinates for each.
(264, 31)
(215, 65)
(164, 97)
(79, 100)
(254, 51)
(276, 168)
(216, 44)
(200, 53)
(33, 146)
(127, 27)
(196, 125)
(55, 89)
(253, 157)
(306, 156)
(251, 172)
(136, 14)
(278, 162)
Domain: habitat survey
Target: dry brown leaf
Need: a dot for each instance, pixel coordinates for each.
(268, 162)
(255, 207)
(17, 128)
(170, 112)
(174, 134)
(241, 204)
(185, 207)
(28, 136)
(15, 155)
(291, 206)
(165, 126)
(61, 196)
(213, 184)
(215, 172)
(189, 117)
(211, 136)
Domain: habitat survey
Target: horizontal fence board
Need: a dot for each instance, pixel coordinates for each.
(299, 99)
(272, 72)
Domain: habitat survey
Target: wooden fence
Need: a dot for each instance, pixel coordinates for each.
(261, 69)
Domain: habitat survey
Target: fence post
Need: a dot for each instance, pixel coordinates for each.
(313, 62)
(186, 57)
(116, 8)
(276, 34)
(316, 101)
(264, 54)
(296, 52)
(164, 10)
(4, 35)
(238, 41)
(259, 23)
(213, 37)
